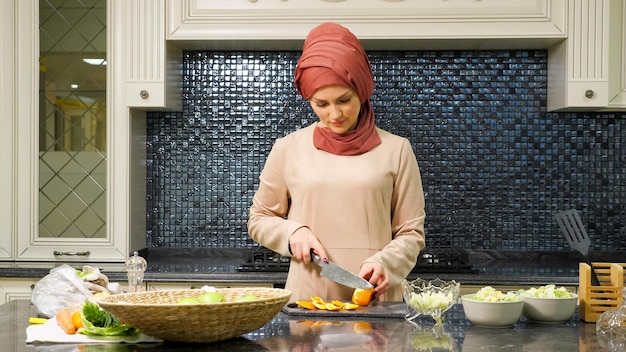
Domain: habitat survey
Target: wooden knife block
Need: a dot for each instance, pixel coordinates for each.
(595, 300)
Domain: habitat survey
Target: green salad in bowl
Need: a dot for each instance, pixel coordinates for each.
(493, 308)
(548, 304)
(490, 294)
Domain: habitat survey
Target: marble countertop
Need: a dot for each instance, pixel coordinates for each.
(296, 333)
(223, 264)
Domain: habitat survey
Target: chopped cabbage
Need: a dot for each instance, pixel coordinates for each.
(547, 291)
(427, 302)
(490, 294)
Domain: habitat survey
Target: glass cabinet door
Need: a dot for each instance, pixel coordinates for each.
(72, 119)
(64, 134)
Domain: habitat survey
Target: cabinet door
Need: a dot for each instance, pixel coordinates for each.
(478, 21)
(11, 289)
(99, 191)
(154, 66)
(7, 132)
(587, 71)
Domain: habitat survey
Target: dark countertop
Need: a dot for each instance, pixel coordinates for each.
(222, 265)
(296, 333)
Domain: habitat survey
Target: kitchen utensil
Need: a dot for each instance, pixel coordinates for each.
(575, 233)
(340, 275)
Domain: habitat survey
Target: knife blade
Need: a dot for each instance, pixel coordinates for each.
(340, 275)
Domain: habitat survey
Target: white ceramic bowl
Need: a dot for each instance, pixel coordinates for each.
(492, 314)
(549, 310)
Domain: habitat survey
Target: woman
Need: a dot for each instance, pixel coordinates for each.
(342, 187)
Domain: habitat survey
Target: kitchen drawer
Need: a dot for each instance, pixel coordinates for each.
(11, 289)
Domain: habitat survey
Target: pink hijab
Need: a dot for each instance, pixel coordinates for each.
(332, 55)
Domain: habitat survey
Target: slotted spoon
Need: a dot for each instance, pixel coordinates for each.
(575, 233)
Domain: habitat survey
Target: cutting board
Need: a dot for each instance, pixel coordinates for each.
(395, 310)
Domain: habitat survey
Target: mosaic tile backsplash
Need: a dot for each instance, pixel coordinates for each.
(495, 164)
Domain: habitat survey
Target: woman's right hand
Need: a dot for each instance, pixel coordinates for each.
(302, 242)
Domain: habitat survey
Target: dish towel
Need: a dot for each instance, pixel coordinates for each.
(50, 331)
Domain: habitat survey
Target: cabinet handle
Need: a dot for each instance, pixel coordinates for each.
(144, 94)
(589, 93)
(78, 254)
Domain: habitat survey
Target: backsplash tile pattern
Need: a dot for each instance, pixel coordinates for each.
(495, 165)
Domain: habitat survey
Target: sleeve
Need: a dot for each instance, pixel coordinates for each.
(267, 222)
(407, 220)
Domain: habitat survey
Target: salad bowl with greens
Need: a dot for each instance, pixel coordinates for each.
(429, 298)
(548, 304)
(493, 308)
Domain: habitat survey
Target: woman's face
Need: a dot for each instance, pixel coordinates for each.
(337, 107)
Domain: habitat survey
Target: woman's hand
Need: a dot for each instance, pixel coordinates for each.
(376, 275)
(302, 242)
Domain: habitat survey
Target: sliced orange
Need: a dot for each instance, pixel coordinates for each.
(306, 304)
(350, 306)
(317, 299)
(330, 306)
(337, 303)
(319, 305)
(362, 296)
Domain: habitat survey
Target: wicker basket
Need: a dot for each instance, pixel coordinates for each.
(157, 314)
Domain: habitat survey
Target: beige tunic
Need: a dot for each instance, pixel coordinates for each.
(363, 208)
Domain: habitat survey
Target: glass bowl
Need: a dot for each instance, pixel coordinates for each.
(429, 297)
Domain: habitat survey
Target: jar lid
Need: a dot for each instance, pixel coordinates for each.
(136, 263)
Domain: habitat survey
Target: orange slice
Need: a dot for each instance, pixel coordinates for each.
(306, 304)
(319, 305)
(350, 306)
(317, 299)
(330, 306)
(337, 303)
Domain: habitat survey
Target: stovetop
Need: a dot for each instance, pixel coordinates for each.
(263, 259)
(439, 260)
(443, 260)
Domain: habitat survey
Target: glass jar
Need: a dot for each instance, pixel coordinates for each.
(611, 327)
(135, 268)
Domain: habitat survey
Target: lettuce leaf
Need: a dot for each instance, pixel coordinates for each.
(99, 322)
(118, 330)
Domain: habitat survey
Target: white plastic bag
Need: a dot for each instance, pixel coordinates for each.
(62, 288)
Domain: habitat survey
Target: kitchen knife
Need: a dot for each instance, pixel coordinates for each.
(340, 275)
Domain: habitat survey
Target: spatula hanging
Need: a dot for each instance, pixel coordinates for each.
(575, 233)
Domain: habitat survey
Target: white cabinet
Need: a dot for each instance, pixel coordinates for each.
(19, 177)
(587, 71)
(585, 38)
(7, 132)
(11, 289)
(396, 24)
(153, 74)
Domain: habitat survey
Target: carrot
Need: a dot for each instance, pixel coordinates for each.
(77, 319)
(64, 319)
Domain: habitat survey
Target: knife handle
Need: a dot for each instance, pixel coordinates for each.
(315, 258)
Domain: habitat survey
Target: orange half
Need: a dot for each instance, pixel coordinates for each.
(362, 296)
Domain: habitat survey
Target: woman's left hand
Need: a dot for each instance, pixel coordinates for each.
(376, 275)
